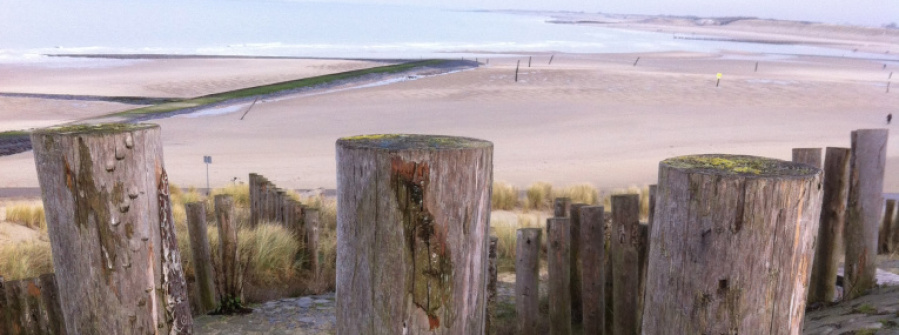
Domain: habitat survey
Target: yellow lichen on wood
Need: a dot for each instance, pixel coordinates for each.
(413, 141)
(739, 165)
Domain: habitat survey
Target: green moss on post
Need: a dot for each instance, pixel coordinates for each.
(738, 165)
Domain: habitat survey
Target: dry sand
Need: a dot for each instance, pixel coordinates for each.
(585, 118)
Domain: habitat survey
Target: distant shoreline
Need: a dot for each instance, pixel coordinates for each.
(190, 56)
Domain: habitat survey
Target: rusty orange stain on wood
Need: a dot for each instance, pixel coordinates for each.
(34, 290)
(411, 171)
(433, 321)
(68, 174)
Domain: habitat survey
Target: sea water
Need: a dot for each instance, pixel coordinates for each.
(31, 29)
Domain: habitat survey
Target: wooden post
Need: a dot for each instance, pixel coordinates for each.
(312, 221)
(19, 317)
(412, 225)
(885, 227)
(732, 245)
(559, 259)
(529, 61)
(202, 260)
(626, 262)
(756, 67)
(516, 70)
(864, 209)
(575, 263)
(561, 207)
(822, 285)
(105, 193)
(491, 284)
(230, 278)
(808, 156)
(254, 199)
(279, 201)
(527, 275)
(592, 268)
(551, 59)
(4, 309)
(635, 62)
(50, 301)
(609, 272)
(653, 190)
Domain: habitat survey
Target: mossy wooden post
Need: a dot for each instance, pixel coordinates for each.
(575, 274)
(202, 260)
(822, 285)
(865, 206)
(808, 156)
(561, 207)
(230, 277)
(311, 222)
(732, 245)
(491, 284)
(626, 262)
(559, 259)
(527, 275)
(883, 237)
(412, 234)
(106, 197)
(592, 268)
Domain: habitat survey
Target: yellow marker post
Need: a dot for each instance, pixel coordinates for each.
(719, 79)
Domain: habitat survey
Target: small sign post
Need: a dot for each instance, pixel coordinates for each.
(207, 160)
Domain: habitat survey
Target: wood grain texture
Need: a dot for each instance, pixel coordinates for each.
(558, 257)
(561, 207)
(413, 217)
(311, 227)
(626, 262)
(575, 273)
(883, 237)
(864, 209)
(109, 221)
(593, 276)
(807, 156)
(230, 278)
(822, 285)
(491, 284)
(732, 245)
(202, 258)
(527, 279)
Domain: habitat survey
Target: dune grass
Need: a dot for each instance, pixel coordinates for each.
(579, 194)
(539, 196)
(505, 228)
(273, 88)
(643, 192)
(28, 214)
(504, 196)
(25, 260)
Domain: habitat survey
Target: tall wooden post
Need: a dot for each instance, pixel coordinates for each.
(893, 239)
(254, 199)
(732, 245)
(592, 268)
(561, 207)
(885, 227)
(822, 285)
(808, 156)
(230, 278)
(52, 309)
(105, 192)
(626, 262)
(491, 284)
(202, 260)
(559, 256)
(311, 223)
(575, 263)
(4, 309)
(412, 225)
(527, 275)
(864, 209)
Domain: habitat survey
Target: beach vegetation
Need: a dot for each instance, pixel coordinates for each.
(23, 260)
(28, 214)
(504, 197)
(539, 196)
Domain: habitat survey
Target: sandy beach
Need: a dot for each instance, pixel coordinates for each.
(592, 118)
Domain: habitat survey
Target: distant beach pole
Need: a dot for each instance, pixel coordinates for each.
(516, 70)
(249, 108)
(551, 59)
(529, 61)
(756, 66)
(719, 80)
(888, 87)
(635, 62)
(890, 76)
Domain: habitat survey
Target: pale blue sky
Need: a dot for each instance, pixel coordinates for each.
(859, 12)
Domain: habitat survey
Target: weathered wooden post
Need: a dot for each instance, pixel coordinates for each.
(412, 224)
(561, 207)
(893, 239)
(653, 190)
(626, 262)
(55, 324)
(311, 222)
(106, 197)
(527, 276)
(254, 199)
(575, 264)
(230, 278)
(4, 309)
(199, 245)
(883, 236)
(822, 285)
(592, 268)
(558, 259)
(491, 284)
(732, 245)
(808, 156)
(864, 209)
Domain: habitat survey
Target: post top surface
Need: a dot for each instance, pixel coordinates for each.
(739, 165)
(102, 128)
(412, 141)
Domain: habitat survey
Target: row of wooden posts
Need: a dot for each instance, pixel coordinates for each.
(30, 306)
(728, 247)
